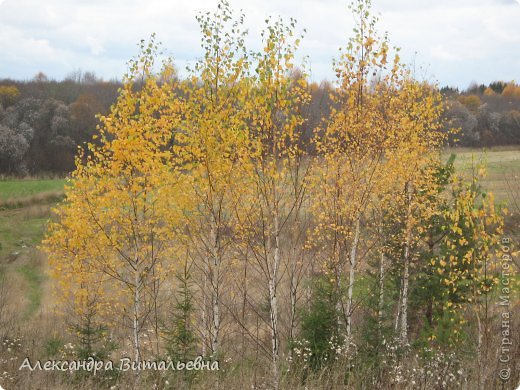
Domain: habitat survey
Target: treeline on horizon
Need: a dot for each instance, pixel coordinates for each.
(43, 121)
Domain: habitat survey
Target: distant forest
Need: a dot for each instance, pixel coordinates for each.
(43, 121)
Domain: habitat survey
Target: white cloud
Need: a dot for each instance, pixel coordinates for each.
(96, 47)
(440, 52)
(456, 41)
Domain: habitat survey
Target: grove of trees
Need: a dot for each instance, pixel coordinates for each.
(303, 236)
(43, 122)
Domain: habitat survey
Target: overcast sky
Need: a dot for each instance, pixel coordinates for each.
(453, 42)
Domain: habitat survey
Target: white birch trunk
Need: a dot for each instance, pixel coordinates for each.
(403, 335)
(204, 316)
(381, 292)
(352, 274)
(293, 305)
(340, 312)
(136, 328)
(274, 303)
(398, 313)
(479, 350)
(215, 284)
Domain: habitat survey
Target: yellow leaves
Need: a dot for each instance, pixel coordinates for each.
(239, 153)
(473, 231)
(456, 229)
(119, 201)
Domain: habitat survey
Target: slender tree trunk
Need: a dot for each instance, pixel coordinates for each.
(293, 293)
(403, 334)
(244, 306)
(136, 327)
(381, 292)
(215, 295)
(156, 312)
(274, 302)
(429, 307)
(293, 279)
(398, 313)
(479, 350)
(137, 308)
(204, 315)
(352, 274)
(338, 269)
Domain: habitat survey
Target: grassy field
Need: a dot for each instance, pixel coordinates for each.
(25, 207)
(13, 189)
(502, 169)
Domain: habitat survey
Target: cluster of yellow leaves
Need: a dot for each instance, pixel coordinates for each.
(9, 94)
(473, 231)
(384, 132)
(115, 230)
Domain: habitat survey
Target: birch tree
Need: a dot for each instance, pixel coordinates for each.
(352, 146)
(213, 143)
(276, 156)
(383, 131)
(118, 219)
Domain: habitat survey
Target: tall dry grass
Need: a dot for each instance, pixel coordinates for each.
(49, 197)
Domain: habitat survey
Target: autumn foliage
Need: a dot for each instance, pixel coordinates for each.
(202, 196)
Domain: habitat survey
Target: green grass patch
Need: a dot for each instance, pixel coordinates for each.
(24, 211)
(53, 346)
(363, 286)
(34, 279)
(18, 232)
(13, 189)
(502, 168)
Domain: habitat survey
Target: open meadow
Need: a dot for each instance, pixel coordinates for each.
(502, 176)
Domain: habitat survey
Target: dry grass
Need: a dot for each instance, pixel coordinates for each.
(49, 197)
